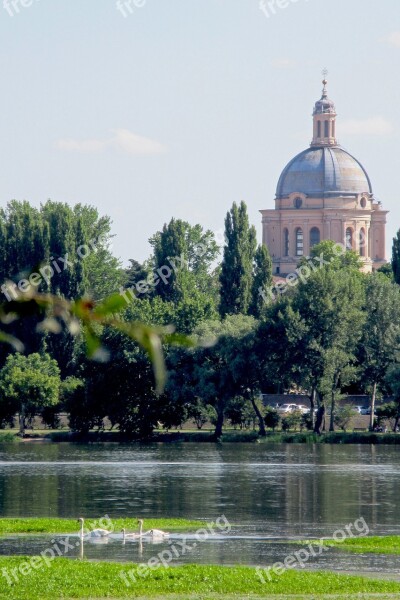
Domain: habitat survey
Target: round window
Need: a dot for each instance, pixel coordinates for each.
(363, 203)
(298, 202)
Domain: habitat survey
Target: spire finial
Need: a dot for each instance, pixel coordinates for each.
(324, 81)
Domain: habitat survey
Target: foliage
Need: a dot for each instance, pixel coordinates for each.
(262, 280)
(292, 420)
(272, 418)
(236, 276)
(343, 416)
(28, 385)
(396, 257)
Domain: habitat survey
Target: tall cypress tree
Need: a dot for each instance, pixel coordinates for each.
(396, 257)
(262, 280)
(236, 277)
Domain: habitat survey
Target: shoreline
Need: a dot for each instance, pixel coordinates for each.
(230, 436)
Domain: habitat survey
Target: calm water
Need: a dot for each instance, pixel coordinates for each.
(270, 493)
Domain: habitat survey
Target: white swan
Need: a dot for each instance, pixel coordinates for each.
(95, 533)
(128, 535)
(152, 533)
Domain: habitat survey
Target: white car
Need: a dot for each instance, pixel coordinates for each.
(287, 408)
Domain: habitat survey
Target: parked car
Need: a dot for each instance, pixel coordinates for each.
(303, 409)
(287, 408)
(366, 410)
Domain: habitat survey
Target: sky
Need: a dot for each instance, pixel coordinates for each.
(152, 109)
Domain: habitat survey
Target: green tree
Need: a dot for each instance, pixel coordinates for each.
(262, 280)
(236, 276)
(330, 303)
(29, 384)
(215, 381)
(380, 342)
(183, 256)
(272, 418)
(343, 416)
(396, 257)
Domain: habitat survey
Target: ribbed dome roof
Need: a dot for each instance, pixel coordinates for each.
(324, 171)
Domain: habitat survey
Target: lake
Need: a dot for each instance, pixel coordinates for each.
(270, 493)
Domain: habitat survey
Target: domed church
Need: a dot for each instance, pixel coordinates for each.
(324, 193)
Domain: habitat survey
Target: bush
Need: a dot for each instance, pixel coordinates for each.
(343, 416)
(292, 420)
(272, 418)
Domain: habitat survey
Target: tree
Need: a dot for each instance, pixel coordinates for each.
(215, 381)
(29, 384)
(272, 418)
(330, 303)
(343, 416)
(183, 256)
(236, 276)
(387, 270)
(396, 257)
(380, 342)
(262, 280)
(292, 420)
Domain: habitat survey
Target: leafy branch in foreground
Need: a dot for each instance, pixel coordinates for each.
(89, 317)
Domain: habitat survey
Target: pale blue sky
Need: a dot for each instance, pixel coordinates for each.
(221, 93)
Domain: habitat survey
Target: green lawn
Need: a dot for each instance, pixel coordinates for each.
(65, 578)
(388, 544)
(10, 526)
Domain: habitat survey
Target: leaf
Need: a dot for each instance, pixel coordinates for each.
(113, 304)
(13, 341)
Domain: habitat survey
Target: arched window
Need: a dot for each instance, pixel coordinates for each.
(315, 237)
(326, 128)
(285, 242)
(349, 238)
(319, 129)
(299, 242)
(362, 241)
(333, 128)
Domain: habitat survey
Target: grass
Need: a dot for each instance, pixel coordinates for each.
(24, 526)
(65, 578)
(388, 544)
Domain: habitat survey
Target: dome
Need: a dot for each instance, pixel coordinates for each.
(324, 171)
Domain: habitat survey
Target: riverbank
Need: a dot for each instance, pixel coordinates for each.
(229, 436)
(65, 578)
(388, 544)
(28, 526)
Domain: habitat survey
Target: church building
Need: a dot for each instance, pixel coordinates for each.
(324, 193)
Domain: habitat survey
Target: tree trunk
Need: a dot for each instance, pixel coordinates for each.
(312, 407)
(220, 422)
(22, 421)
(372, 415)
(332, 419)
(320, 419)
(261, 424)
(396, 422)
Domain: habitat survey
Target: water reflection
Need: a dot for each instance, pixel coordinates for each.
(276, 490)
(223, 550)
